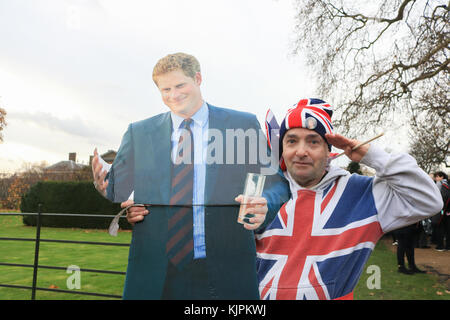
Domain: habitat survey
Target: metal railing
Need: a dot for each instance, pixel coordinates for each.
(36, 265)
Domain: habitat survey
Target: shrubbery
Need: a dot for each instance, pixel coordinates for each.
(69, 197)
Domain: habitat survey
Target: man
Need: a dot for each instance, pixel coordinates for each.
(186, 241)
(407, 239)
(442, 219)
(318, 243)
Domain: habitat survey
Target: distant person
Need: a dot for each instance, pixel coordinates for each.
(442, 219)
(424, 233)
(407, 237)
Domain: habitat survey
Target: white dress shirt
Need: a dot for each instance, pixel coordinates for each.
(199, 128)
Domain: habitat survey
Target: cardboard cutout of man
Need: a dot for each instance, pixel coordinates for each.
(186, 241)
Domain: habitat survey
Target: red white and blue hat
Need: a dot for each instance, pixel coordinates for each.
(313, 114)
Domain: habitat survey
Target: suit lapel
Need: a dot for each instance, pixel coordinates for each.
(217, 120)
(160, 135)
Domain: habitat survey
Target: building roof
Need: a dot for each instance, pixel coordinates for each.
(67, 165)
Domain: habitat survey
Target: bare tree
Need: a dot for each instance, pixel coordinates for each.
(380, 62)
(431, 136)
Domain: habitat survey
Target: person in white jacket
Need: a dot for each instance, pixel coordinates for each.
(317, 244)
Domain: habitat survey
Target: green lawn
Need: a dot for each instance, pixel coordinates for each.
(397, 286)
(87, 256)
(394, 286)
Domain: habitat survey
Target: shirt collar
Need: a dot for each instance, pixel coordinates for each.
(200, 117)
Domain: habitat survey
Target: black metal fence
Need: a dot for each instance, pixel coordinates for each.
(36, 265)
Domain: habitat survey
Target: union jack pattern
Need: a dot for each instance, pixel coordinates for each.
(316, 109)
(271, 127)
(317, 245)
(273, 131)
(313, 114)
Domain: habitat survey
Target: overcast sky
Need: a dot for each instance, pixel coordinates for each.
(75, 73)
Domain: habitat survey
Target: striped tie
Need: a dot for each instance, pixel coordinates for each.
(180, 244)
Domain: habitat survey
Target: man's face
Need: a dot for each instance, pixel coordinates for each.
(305, 154)
(180, 92)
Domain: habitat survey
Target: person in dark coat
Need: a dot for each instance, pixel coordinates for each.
(407, 237)
(442, 219)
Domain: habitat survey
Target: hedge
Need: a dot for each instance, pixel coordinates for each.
(69, 197)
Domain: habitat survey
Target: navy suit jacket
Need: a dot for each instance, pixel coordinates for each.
(143, 164)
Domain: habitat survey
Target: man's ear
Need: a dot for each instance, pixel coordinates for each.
(198, 78)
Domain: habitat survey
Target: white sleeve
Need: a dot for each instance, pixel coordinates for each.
(403, 193)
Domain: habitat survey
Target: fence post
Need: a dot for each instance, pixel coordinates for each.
(36, 252)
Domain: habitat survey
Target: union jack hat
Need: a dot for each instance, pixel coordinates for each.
(313, 114)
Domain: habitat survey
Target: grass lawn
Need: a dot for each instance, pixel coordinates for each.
(86, 256)
(394, 286)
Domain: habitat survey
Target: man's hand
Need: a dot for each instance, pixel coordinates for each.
(99, 175)
(255, 211)
(347, 144)
(135, 213)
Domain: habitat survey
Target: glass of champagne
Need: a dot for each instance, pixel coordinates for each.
(254, 185)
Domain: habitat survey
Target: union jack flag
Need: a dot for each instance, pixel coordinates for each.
(305, 110)
(271, 127)
(313, 114)
(317, 245)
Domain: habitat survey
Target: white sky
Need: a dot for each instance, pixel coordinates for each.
(75, 73)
